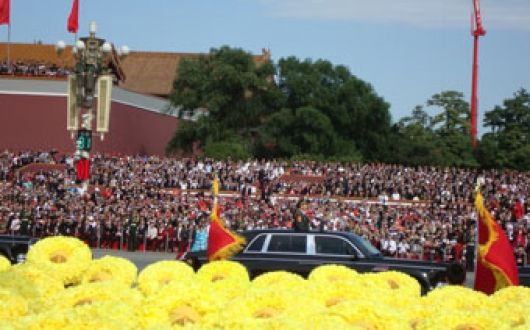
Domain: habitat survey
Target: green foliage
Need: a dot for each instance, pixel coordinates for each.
(354, 110)
(507, 145)
(318, 111)
(223, 150)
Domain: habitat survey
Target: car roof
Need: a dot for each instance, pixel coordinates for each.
(249, 234)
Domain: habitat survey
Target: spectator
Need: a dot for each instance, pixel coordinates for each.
(455, 274)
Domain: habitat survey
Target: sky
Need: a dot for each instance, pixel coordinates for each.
(408, 50)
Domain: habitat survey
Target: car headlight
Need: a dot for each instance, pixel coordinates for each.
(21, 258)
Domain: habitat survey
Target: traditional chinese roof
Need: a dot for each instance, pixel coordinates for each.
(149, 73)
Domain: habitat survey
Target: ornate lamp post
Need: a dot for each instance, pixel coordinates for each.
(90, 70)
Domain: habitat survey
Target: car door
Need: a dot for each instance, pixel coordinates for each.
(274, 252)
(329, 249)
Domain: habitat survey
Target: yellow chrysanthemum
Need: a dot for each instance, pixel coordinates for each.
(175, 306)
(12, 305)
(414, 309)
(395, 282)
(514, 303)
(109, 268)
(93, 292)
(460, 319)
(221, 270)
(108, 315)
(4, 263)
(456, 297)
(519, 294)
(42, 278)
(13, 282)
(155, 276)
(220, 293)
(331, 273)
(259, 309)
(280, 280)
(69, 257)
(370, 315)
(333, 293)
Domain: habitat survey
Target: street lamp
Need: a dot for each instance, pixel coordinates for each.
(90, 71)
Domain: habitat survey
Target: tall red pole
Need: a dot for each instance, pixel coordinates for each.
(474, 85)
(479, 31)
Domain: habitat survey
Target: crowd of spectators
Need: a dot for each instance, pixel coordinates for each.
(33, 69)
(162, 203)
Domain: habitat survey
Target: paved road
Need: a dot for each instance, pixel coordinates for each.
(143, 259)
(139, 258)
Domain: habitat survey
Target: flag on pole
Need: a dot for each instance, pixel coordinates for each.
(73, 19)
(4, 12)
(496, 267)
(221, 242)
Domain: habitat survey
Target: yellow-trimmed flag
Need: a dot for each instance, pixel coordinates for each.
(496, 267)
(222, 243)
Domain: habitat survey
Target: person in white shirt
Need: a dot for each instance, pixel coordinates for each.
(152, 233)
(403, 248)
(392, 247)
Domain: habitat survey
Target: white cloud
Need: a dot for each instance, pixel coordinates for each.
(449, 14)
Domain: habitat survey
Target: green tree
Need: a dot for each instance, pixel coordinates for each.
(414, 141)
(236, 93)
(305, 131)
(357, 114)
(451, 128)
(508, 143)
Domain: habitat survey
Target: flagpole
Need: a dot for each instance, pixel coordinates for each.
(8, 48)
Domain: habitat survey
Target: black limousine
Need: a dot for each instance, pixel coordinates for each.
(300, 252)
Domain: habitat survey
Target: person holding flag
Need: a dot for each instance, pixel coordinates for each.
(496, 266)
(222, 243)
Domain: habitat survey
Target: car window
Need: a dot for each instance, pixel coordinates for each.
(333, 245)
(257, 244)
(287, 243)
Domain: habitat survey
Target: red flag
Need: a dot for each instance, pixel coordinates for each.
(221, 242)
(4, 12)
(202, 206)
(496, 267)
(73, 19)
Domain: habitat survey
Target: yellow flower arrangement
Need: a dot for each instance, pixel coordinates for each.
(4, 263)
(461, 319)
(12, 305)
(21, 286)
(93, 292)
(456, 297)
(512, 293)
(394, 282)
(42, 278)
(370, 315)
(175, 306)
(514, 303)
(155, 276)
(260, 308)
(222, 270)
(330, 273)
(108, 315)
(220, 293)
(280, 280)
(109, 268)
(68, 257)
(333, 293)
(414, 309)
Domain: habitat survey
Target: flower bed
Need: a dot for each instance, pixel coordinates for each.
(62, 287)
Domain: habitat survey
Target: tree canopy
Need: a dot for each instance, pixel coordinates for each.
(305, 108)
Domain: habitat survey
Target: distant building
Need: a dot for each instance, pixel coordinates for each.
(33, 102)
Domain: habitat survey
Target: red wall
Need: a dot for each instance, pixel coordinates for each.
(39, 123)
